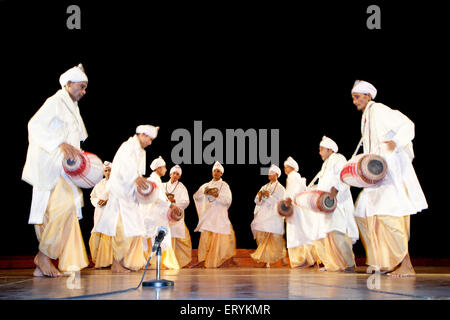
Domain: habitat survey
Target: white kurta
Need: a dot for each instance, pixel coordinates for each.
(128, 164)
(57, 121)
(155, 213)
(266, 217)
(99, 192)
(213, 212)
(177, 229)
(342, 219)
(302, 226)
(400, 192)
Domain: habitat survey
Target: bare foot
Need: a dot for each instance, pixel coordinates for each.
(405, 269)
(267, 265)
(200, 264)
(45, 267)
(118, 268)
(284, 262)
(38, 273)
(350, 270)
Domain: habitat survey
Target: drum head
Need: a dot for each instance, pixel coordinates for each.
(175, 215)
(372, 168)
(285, 210)
(326, 203)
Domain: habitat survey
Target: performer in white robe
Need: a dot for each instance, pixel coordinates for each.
(217, 244)
(177, 193)
(101, 251)
(155, 216)
(54, 132)
(267, 225)
(383, 212)
(121, 218)
(302, 226)
(338, 230)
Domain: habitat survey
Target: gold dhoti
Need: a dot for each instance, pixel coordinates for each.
(216, 248)
(385, 239)
(183, 248)
(304, 256)
(100, 246)
(130, 249)
(271, 247)
(168, 258)
(59, 235)
(335, 251)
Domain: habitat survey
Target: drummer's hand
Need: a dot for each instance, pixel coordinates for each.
(333, 192)
(288, 202)
(266, 193)
(391, 145)
(101, 203)
(69, 151)
(141, 183)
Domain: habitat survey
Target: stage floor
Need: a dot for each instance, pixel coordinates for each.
(235, 283)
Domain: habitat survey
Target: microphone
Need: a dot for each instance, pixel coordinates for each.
(162, 232)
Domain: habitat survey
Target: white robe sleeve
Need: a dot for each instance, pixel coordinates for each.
(397, 127)
(224, 197)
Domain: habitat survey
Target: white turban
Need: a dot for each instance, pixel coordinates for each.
(275, 169)
(217, 165)
(176, 168)
(107, 164)
(158, 162)
(75, 74)
(149, 130)
(361, 86)
(328, 143)
(291, 163)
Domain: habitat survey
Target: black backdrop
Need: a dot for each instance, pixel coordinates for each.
(260, 66)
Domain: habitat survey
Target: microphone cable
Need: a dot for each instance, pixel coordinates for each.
(106, 293)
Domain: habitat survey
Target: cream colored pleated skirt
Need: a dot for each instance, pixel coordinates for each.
(385, 239)
(335, 251)
(271, 247)
(216, 248)
(59, 235)
(183, 248)
(303, 256)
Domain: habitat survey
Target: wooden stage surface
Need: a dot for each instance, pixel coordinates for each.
(245, 281)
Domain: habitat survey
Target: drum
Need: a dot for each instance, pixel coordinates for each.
(175, 215)
(317, 201)
(364, 170)
(284, 209)
(146, 196)
(85, 171)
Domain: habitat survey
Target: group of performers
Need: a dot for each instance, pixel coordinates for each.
(125, 228)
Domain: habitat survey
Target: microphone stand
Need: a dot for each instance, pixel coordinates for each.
(158, 283)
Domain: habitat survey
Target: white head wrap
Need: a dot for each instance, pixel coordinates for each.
(361, 86)
(275, 169)
(107, 164)
(176, 168)
(217, 165)
(158, 162)
(291, 163)
(328, 143)
(149, 130)
(75, 74)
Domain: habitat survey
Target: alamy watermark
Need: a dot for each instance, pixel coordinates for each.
(235, 146)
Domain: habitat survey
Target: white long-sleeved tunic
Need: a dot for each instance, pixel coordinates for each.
(266, 217)
(302, 226)
(155, 213)
(181, 196)
(400, 192)
(128, 164)
(57, 121)
(213, 212)
(99, 192)
(342, 219)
